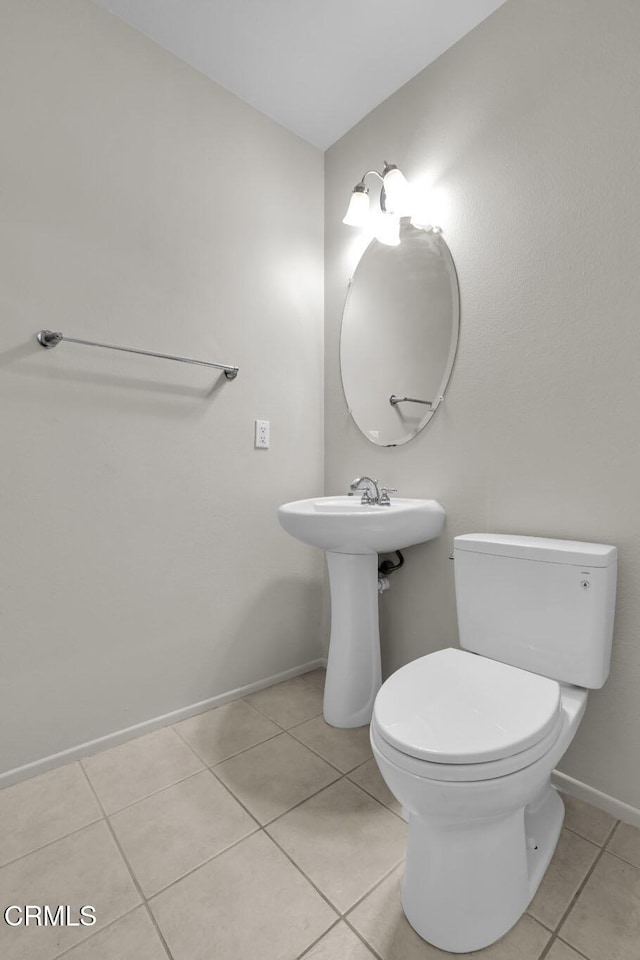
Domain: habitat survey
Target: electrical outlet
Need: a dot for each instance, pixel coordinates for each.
(262, 434)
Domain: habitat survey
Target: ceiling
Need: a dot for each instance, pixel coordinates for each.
(315, 66)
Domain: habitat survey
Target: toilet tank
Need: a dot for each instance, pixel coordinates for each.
(543, 605)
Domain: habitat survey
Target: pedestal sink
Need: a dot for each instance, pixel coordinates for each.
(353, 534)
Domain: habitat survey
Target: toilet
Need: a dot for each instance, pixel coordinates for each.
(466, 739)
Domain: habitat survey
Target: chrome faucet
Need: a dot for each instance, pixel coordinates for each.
(369, 487)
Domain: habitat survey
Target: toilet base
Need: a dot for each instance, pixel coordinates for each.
(467, 884)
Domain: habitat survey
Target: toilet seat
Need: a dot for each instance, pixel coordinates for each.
(468, 772)
(454, 708)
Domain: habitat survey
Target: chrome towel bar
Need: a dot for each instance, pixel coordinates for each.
(48, 339)
(393, 399)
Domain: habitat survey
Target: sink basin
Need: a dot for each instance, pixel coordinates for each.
(344, 525)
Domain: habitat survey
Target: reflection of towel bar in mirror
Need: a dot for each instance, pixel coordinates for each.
(48, 338)
(393, 399)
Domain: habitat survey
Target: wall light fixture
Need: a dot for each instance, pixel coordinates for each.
(394, 200)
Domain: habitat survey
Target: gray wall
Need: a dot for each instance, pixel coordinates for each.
(141, 565)
(528, 130)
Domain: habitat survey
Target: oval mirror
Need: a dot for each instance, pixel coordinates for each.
(399, 335)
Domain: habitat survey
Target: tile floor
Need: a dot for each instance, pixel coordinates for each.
(256, 830)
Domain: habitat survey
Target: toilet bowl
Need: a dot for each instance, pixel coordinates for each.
(481, 832)
(467, 741)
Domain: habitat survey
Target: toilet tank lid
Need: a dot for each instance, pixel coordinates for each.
(538, 548)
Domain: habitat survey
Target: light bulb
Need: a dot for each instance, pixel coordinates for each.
(358, 211)
(396, 188)
(388, 229)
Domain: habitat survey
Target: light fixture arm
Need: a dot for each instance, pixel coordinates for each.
(375, 173)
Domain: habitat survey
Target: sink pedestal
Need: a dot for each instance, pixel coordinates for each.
(353, 534)
(353, 667)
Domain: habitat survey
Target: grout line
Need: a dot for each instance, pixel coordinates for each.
(556, 939)
(558, 926)
(173, 727)
(158, 930)
(377, 884)
(343, 773)
(268, 716)
(50, 843)
(284, 812)
(611, 832)
(617, 856)
(582, 956)
(360, 937)
(306, 951)
(311, 797)
(373, 796)
(237, 800)
(341, 915)
(68, 950)
(612, 853)
(281, 733)
(208, 765)
(262, 712)
(204, 863)
(537, 920)
(595, 843)
(155, 793)
(143, 899)
(555, 932)
(307, 878)
(547, 948)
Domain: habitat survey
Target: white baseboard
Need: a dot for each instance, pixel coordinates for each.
(575, 788)
(147, 726)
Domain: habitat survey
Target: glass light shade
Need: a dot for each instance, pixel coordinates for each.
(396, 191)
(388, 229)
(358, 211)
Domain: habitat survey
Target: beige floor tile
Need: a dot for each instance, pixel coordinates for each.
(625, 843)
(224, 731)
(137, 769)
(340, 943)
(248, 902)
(180, 828)
(274, 776)
(604, 922)
(344, 748)
(43, 809)
(288, 703)
(368, 777)
(380, 920)
(83, 869)
(560, 951)
(343, 840)
(134, 937)
(316, 677)
(587, 820)
(568, 868)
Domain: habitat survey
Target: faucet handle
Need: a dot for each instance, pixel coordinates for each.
(385, 500)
